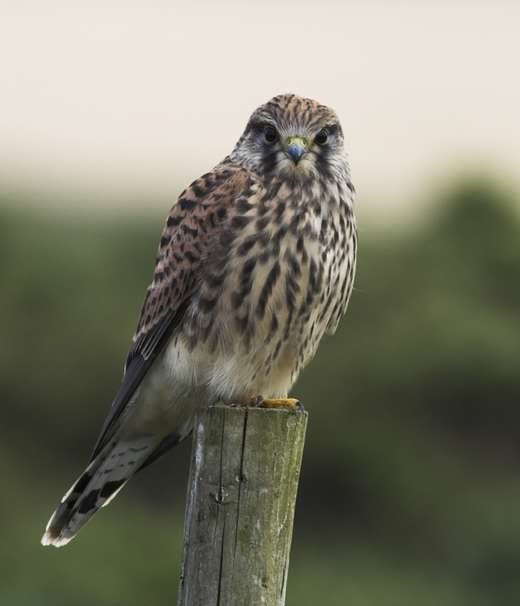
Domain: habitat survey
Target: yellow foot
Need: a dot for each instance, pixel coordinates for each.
(292, 403)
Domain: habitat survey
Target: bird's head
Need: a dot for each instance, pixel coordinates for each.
(292, 137)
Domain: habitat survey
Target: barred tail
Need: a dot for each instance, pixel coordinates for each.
(96, 487)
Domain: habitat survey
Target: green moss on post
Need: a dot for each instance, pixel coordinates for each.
(240, 506)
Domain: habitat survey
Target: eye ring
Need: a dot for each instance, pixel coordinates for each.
(322, 137)
(270, 134)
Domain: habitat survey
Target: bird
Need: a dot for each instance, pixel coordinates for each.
(256, 263)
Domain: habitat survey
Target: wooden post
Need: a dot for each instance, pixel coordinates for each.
(240, 508)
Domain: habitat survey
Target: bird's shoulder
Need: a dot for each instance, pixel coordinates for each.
(194, 225)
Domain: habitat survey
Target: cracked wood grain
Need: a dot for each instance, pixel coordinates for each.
(240, 508)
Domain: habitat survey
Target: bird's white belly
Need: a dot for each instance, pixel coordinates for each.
(231, 376)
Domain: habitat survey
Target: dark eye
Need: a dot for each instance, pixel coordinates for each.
(322, 137)
(270, 134)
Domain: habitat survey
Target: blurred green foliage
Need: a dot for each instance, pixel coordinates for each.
(410, 490)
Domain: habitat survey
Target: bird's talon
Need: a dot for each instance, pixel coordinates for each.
(292, 403)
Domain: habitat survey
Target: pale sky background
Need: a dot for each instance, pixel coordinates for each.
(124, 101)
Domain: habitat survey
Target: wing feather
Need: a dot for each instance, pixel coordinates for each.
(190, 234)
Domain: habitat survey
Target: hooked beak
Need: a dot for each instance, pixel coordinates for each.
(295, 147)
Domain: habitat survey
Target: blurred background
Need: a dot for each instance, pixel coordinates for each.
(410, 493)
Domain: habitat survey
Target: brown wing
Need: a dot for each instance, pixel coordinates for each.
(192, 229)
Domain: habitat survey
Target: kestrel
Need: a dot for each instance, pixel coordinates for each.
(255, 264)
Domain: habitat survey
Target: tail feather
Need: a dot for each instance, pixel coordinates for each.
(96, 487)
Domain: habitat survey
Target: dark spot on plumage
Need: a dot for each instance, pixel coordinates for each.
(197, 190)
(208, 179)
(221, 213)
(262, 223)
(315, 276)
(110, 487)
(324, 230)
(280, 233)
(206, 305)
(267, 289)
(325, 309)
(294, 266)
(247, 245)
(277, 350)
(177, 258)
(274, 323)
(245, 288)
(279, 211)
(82, 483)
(344, 287)
(248, 192)
(165, 240)
(291, 288)
(240, 222)
(174, 220)
(187, 204)
(248, 268)
(242, 205)
(192, 258)
(88, 502)
(303, 312)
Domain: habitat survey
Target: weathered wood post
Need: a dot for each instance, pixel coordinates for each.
(242, 490)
